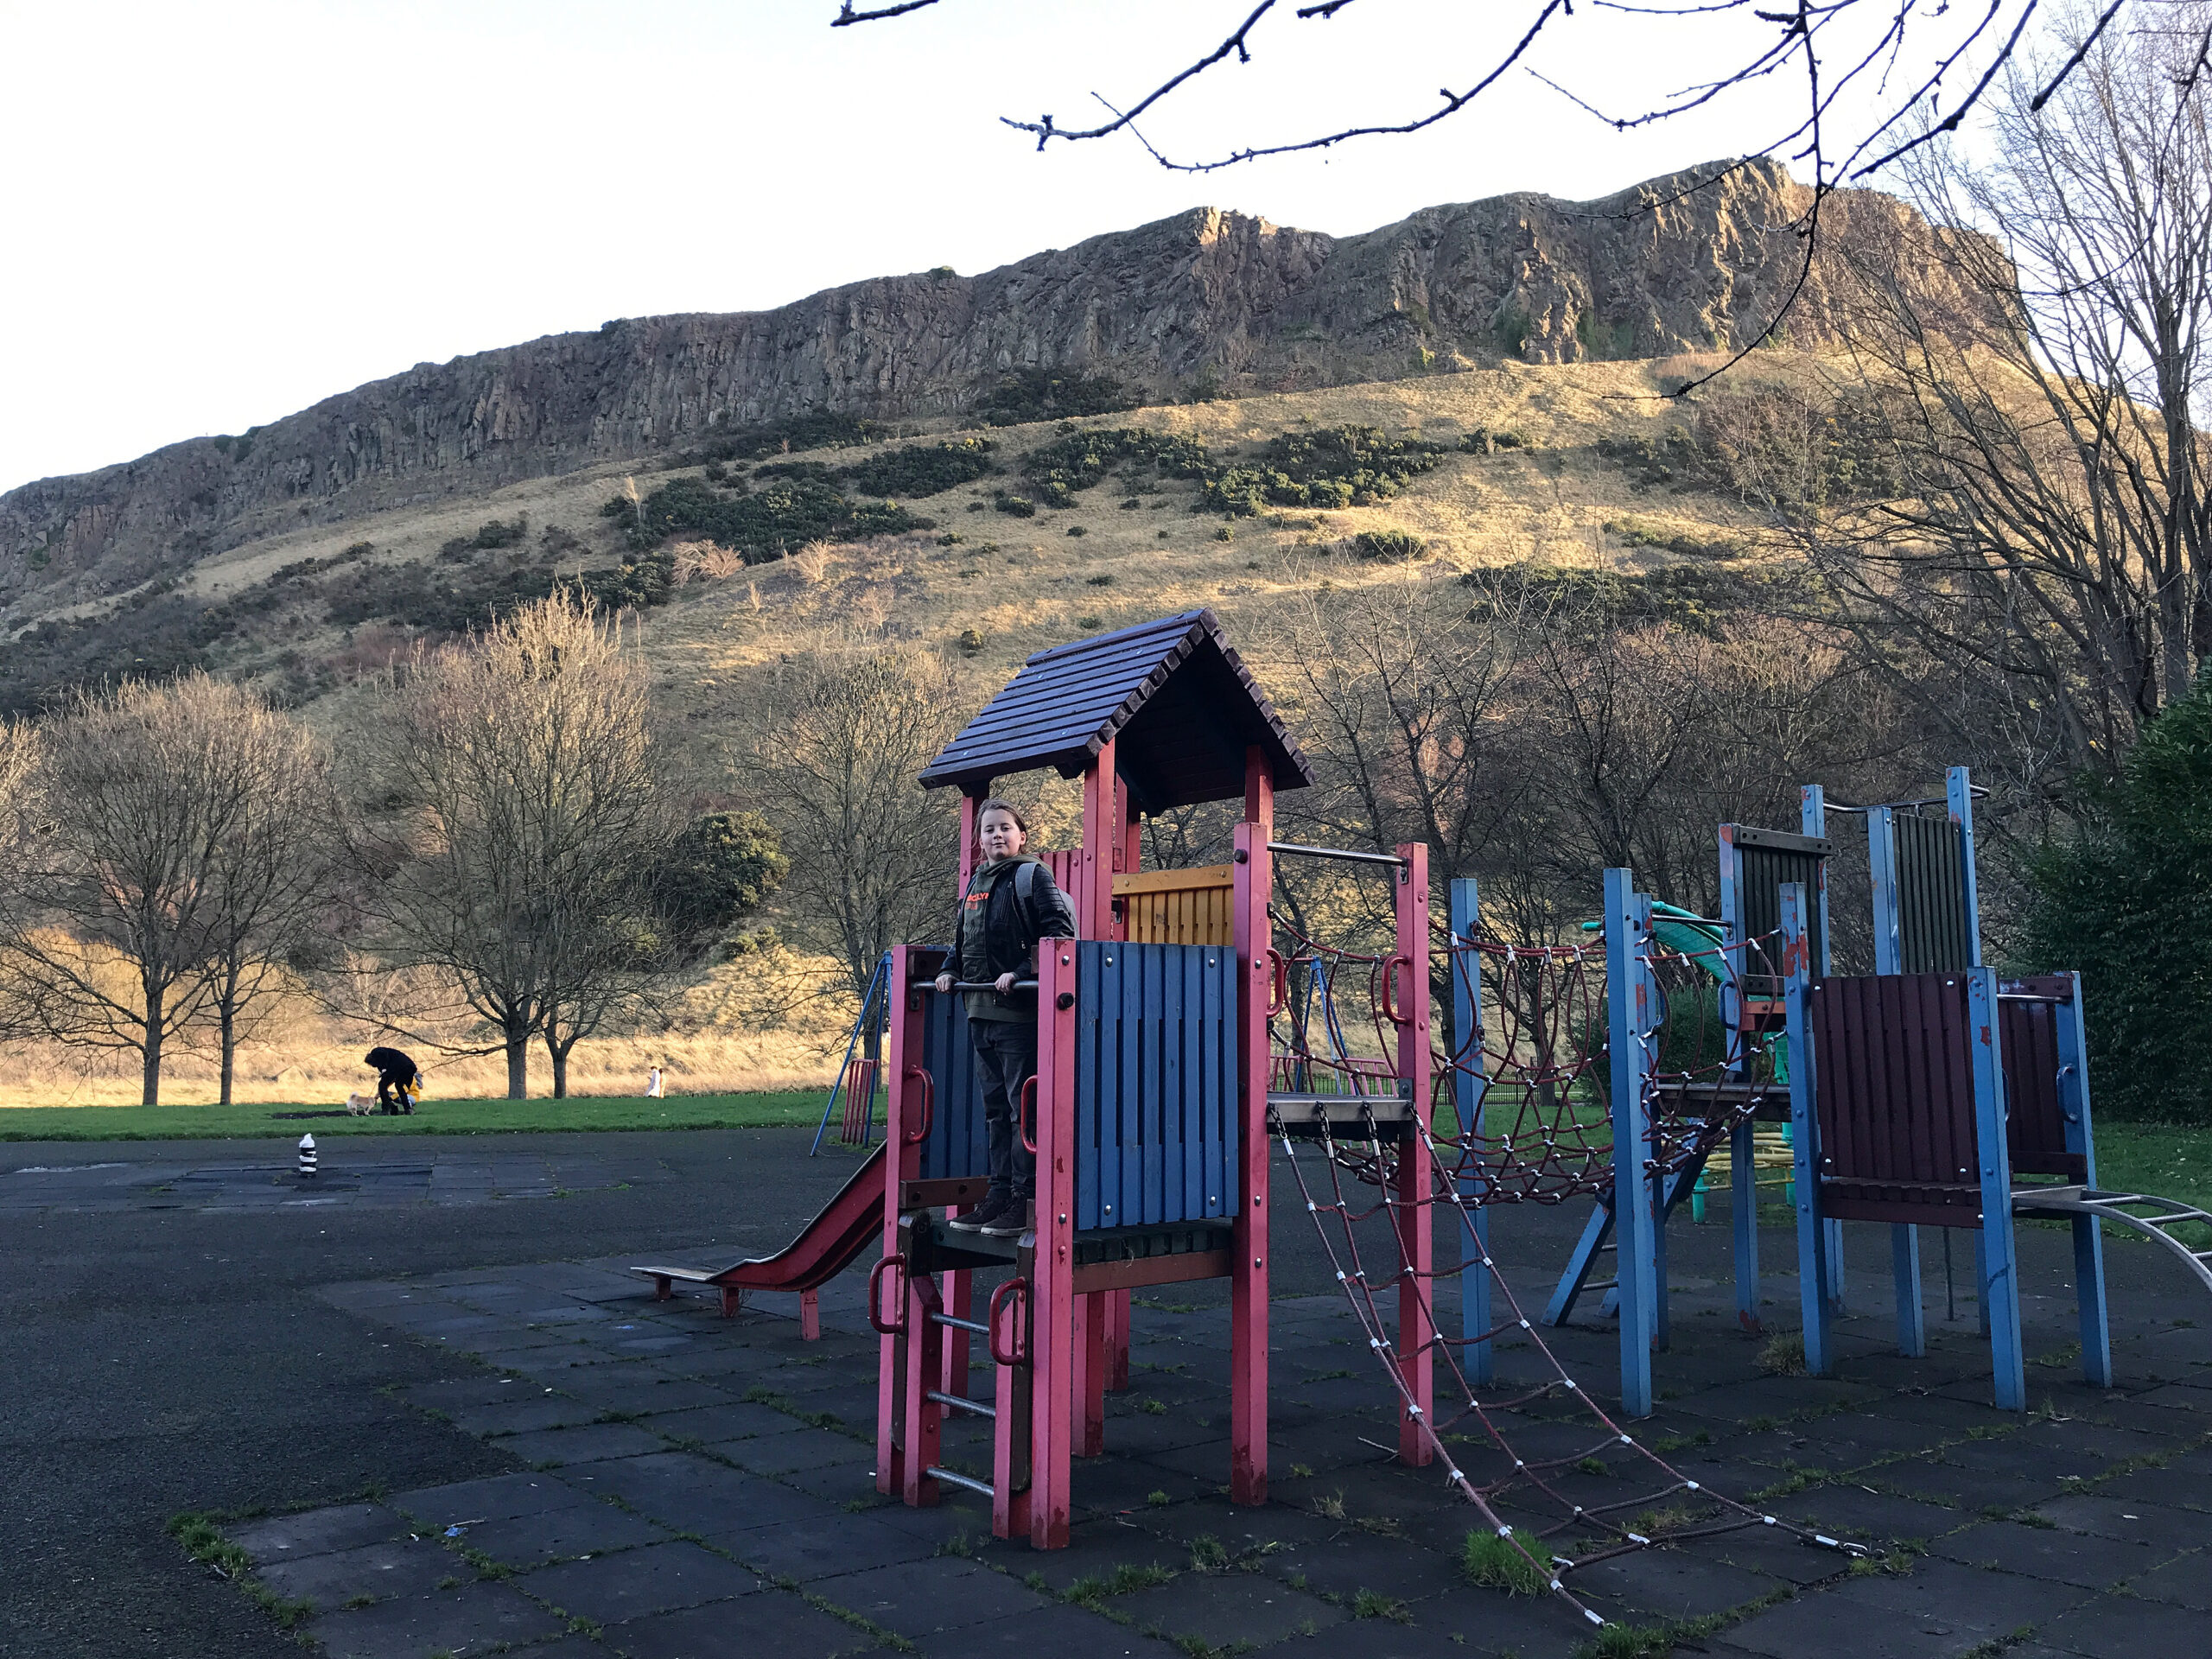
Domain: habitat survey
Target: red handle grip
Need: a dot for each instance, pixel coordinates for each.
(914, 1137)
(1389, 988)
(875, 1296)
(1279, 988)
(1020, 1353)
(1028, 1115)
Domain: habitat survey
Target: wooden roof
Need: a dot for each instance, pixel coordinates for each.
(1180, 705)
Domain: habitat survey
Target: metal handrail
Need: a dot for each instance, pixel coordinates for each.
(1343, 853)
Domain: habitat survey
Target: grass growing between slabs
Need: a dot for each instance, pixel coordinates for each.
(259, 1120)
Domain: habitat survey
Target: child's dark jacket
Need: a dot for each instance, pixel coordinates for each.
(1002, 916)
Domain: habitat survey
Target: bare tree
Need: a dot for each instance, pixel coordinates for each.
(269, 879)
(144, 788)
(872, 854)
(1401, 689)
(2049, 537)
(23, 756)
(531, 808)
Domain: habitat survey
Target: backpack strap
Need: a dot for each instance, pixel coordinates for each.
(1024, 882)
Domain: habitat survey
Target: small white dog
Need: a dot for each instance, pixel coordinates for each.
(358, 1104)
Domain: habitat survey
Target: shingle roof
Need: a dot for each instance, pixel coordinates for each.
(1174, 693)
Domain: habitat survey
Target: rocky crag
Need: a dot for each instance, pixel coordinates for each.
(1207, 299)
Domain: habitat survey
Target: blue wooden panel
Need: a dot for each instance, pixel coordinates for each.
(955, 1147)
(1156, 1083)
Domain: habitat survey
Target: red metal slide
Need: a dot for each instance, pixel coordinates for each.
(851, 1222)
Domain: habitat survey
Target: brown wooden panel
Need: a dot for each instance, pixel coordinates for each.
(1153, 1270)
(2035, 1127)
(1177, 906)
(1893, 1080)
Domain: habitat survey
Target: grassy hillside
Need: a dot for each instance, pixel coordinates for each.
(306, 613)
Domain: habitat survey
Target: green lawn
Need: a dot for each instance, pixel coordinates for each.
(433, 1117)
(2156, 1158)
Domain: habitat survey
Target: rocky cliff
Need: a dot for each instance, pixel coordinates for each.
(1207, 297)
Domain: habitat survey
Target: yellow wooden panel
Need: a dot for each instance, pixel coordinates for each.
(1178, 906)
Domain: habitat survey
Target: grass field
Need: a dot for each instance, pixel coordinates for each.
(258, 1120)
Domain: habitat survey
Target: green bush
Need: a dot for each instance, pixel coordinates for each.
(1389, 544)
(922, 469)
(798, 505)
(1077, 460)
(1015, 507)
(815, 430)
(2127, 900)
(1336, 467)
(1643, 532)
(1027, 394)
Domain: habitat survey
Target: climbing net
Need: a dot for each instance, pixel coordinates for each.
(1558, 1536)
(1534, 1074)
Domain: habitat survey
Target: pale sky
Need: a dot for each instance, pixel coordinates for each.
(219, 213)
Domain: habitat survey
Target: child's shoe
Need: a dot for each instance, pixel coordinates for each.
(979, 1219)
(1016, 1218)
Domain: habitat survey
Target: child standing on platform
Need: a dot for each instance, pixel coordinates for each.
(1011, 902)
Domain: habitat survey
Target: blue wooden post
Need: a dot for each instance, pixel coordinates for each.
(2001, 1279)
(1469, 1084)
(1629, 1015)
(2089, 1237)
(1742, 1144)
(1958, 797)
(1813, 820)
(1904, 1238)
(1805, 1131)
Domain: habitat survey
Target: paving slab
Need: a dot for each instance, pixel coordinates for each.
(2102, 1513)
(2126, 1627)
(2051, 1553)
(315, 1532)
(771, 1622)
(805, 1550)
(655, 1578)
(921, 1598)
(471, 1620)
(589, 1442)
(525, 1541)
(1218, 1609)
(370, 1572)
(495, 1497)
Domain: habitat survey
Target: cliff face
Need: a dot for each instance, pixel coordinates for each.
(1660, 268)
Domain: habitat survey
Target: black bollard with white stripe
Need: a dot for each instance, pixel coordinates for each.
(306, 1157)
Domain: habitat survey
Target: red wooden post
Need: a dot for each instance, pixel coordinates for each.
(959, 1291)
(1052, 1320)
(1247, 1304)
(901, 1162)
(1010, 1339)
(1105, 804)
(1416, 1218)
(925, 1363)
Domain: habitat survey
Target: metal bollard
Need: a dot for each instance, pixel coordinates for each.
(306, 1157)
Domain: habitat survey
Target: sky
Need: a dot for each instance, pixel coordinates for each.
(218, 213)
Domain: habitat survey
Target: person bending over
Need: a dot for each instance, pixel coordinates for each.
(399, 1080)
(1011, 902)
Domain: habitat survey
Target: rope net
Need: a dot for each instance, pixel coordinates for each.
(1535, 1073)
(1558, 1536)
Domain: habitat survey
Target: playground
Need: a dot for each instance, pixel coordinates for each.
(1386, 1272)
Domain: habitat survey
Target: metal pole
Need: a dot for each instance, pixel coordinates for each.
(1628, 927)
(1805, 1132)
(1469, 1081)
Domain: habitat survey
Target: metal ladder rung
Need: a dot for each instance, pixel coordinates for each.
(961, 1403)
(982, 1488)
(957, 1324)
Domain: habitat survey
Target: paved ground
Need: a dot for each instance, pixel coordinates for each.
(470, 1429)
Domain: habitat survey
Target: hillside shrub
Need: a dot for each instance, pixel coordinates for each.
(799, 504)
(1335, 466)
(1644, 532)
(1393, 545)
(922, 469)
(1483, 440)
(1703, 598)
(1027, 394)
(818, 429)
(2127, 900)
(1015, 507)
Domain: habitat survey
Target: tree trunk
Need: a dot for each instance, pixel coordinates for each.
(149, 1092)
(518, 1064)
(560, 1071)
(230, 1026)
